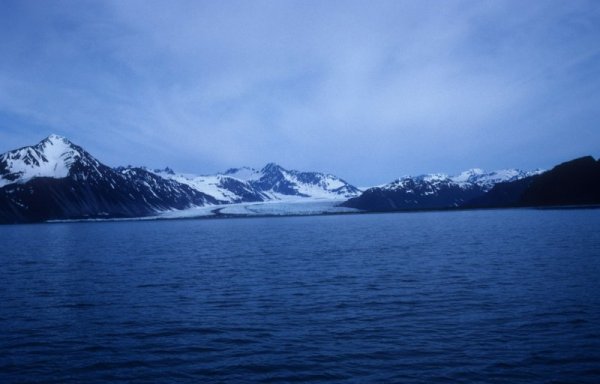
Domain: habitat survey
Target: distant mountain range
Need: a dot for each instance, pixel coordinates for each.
(272, 182)
(58, 180)
(434, 191)
(575, 183)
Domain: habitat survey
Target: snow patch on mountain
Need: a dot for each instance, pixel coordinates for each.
(52, 157)
(487, 180)
(272, 182)
(471, 178)
(279, 183)
(244, 173)
(224, 188)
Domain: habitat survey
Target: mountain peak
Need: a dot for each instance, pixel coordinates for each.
(433, 177)
(469, 175)
(474, 171)
(243, 173)
(57, 139)
(272, 167)
(54, 136)
(52, 157)
(55, 148)
(166, 170)
(233, 171)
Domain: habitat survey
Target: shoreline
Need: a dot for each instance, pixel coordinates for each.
(217, 214)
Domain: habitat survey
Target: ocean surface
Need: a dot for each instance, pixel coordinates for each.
(499, 296)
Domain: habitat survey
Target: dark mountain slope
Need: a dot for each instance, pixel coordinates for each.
(57, 180)
(504, 195)
(576, 182)
(415, 193)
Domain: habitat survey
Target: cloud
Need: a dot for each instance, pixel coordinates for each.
(367, 90)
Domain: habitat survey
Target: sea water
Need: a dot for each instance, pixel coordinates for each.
(498, 296)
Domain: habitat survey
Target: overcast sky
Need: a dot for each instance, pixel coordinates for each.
(367, 90)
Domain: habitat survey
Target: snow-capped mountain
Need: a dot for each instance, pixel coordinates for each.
(434, 190)
(56, 179)
(575, 182)
(487, 180)
(52, 157)
(272, 182)
(280, 183)
(223, 188)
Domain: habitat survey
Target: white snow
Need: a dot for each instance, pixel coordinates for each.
(468, 175)
(434, 177)
(300, 206)
(324, 188)
(488, 179)
(244, 173)
(52, 157)
(205, 184)
(466, 179)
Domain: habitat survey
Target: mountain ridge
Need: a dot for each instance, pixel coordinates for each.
(56, 179)
(434, 191)
(272, 182)
(574, 182)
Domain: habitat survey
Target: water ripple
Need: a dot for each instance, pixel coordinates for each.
(412, 298)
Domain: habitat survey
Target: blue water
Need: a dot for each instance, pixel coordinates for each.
(502, 296)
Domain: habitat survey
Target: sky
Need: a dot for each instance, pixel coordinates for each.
(366, 90)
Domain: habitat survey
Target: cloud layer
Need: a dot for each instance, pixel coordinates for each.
(366, 90)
